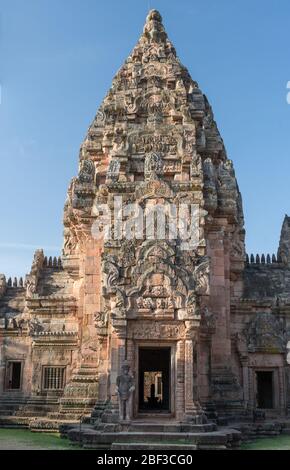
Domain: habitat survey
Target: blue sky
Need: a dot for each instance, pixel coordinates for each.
(58, 58)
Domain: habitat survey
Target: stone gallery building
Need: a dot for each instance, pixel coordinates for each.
(202, 326)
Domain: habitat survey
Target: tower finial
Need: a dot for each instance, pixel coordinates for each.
(154, 15)
(153, 29)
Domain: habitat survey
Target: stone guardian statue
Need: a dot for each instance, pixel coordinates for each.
(125, 388)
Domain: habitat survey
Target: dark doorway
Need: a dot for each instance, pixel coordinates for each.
(264, 389)
(154, 380)
(14, 375)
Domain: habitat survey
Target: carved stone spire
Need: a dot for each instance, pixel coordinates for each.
(152, 108)
(153, 29)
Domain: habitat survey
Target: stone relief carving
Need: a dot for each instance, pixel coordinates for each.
(86, 171)
(265, 333)
(110, 270)
(192, 304)
(113, 171)
(201, 275)
(35, 326)
(153, 166)
(156, 330)
(90, 350)
(118, 305)
(127, 253)
(70, 240)
(144, 144)
(155, 303)
(19, 322)
(101, 319)
(31, 279)
(195, 166)
(120, 144)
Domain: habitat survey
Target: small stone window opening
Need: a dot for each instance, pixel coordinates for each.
(53, 378)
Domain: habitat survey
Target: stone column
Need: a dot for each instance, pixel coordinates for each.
(281, 389)
(130, 353)
(117, 355)
(190, 378)
(287, 387)
(245, 370)
(193, 410)
(2, 363)
(225, 392)
(220, 300)
(252, 387)
(179, 386)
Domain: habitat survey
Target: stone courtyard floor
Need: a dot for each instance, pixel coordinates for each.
(22, 439)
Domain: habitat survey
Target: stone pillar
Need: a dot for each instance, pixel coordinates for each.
(245, 370)
(220, 300)
(281, 389)
(193, 410)
(179, 387)
(130, 356)
(225, 390)
(2, 364)
(287, 388)
(188, 376)
(252, 388)
(118, 354)
(103, 369)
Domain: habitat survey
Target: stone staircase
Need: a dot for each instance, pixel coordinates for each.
(151, 435)
(25, 407)
(267, 428)
(38, 407)
(9, 405)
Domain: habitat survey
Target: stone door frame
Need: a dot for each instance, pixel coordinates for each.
(6, 378)
(276, 389)
(172, 397)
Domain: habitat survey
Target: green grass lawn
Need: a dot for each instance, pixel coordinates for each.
(269, 443)
(23, 439)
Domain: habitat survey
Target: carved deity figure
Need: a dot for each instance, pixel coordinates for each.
(195, 166)
(153, 166)
(86, 171)
(120, 145)
(30, 285)
(35, 326)
(125, 388)
(118, 308)
(113, 170)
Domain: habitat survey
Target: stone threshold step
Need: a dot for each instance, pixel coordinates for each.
(151, 446)
(154, 427)
(90, 438)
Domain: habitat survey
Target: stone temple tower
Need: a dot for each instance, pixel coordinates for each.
(153, 273)
(162, 306)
